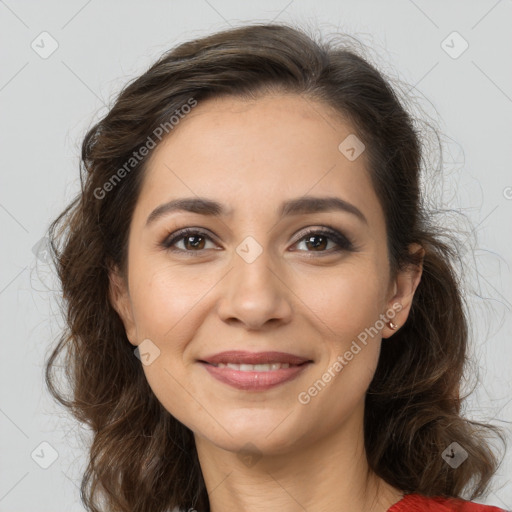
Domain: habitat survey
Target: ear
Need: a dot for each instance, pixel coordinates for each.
(120, 300)
(403, 289)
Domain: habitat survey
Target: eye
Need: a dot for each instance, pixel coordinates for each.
(318, 241)
(193, 240)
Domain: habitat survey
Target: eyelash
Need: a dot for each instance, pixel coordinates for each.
(343, 242)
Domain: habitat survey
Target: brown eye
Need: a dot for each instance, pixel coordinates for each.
(195, 241)
(191, 241)
(325, 241)
(316, 242)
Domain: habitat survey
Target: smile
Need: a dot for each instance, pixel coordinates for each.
(253, 367)
(255, 377)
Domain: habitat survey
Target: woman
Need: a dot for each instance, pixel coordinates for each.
(260, 314)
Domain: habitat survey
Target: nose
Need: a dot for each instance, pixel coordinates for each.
(254, 295)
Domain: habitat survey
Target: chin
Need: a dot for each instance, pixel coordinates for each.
(261, 428)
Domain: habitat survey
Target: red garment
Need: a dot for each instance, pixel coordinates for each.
(418, 503)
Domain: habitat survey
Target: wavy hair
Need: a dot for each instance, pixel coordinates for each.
(141, 458)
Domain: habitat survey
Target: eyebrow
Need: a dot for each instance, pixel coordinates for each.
(299, 206)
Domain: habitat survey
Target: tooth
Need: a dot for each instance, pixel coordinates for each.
(262, 368)
(253, 367)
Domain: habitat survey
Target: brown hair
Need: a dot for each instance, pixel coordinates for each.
(141, 457)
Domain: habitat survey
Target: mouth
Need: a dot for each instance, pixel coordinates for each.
(254, 367)
(241, 358)
(254, 371)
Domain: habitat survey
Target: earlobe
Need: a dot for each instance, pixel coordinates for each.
(405, 286)
(120, 299)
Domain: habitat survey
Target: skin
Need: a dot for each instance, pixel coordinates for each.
(250, 156)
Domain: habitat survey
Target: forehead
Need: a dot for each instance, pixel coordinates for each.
(242, 152)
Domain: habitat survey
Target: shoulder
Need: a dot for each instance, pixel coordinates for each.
(418, 503)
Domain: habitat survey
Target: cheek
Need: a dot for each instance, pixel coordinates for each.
(348, 308)
(347, 311)
(167, 305)
(346, 302)
(165, 300)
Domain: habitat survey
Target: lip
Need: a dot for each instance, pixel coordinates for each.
(243, 357)
(255, 380)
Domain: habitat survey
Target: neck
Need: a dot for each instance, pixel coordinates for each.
(330, 474)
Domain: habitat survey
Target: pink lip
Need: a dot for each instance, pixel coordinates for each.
(243, 357)
(257, 381)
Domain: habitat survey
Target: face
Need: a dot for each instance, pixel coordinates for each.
(256, 276)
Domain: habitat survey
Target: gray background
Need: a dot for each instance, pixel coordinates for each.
(48, 103)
